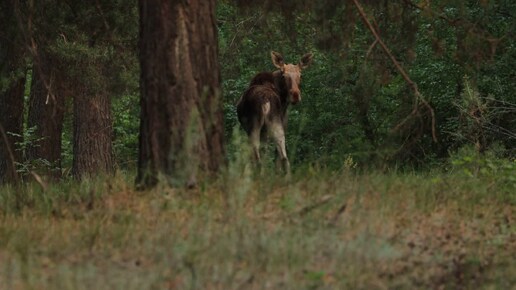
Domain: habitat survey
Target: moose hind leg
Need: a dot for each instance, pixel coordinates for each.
(278, 134)
(255, 143)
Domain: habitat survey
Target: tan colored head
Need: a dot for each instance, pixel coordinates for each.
(292, 73)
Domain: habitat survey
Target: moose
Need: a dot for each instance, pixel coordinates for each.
(262, 109)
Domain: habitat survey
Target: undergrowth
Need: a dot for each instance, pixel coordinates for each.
(247, 230)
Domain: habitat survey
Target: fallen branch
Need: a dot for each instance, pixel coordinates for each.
(339, 212)
(311, 207)
(399, 68)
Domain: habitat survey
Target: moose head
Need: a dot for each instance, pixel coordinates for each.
(291, 74)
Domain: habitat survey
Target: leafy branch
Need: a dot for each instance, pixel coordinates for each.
(419, 97)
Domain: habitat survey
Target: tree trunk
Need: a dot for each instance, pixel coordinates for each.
(181, 129)
(93, 134)
(12, 86)
(11, 122)
(362, 94)
(46, 112)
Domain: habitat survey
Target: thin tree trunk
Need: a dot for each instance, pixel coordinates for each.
(46, 112)
(362, 99)
(181, 129)
(11, 120)
(93, 132)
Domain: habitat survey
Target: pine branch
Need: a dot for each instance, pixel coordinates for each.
(399, 68)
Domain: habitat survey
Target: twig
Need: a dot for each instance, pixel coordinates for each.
(400, 69)
(249, 30)
(101, 13)
(32, 47)
(370, 50)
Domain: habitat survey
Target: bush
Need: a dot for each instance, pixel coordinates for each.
(487, 166)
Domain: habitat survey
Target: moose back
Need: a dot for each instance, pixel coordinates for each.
(262, 109)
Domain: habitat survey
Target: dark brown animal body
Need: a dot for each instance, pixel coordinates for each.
(262, 109)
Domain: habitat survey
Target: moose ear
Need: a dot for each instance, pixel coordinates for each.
(277, 59)
(306, 60)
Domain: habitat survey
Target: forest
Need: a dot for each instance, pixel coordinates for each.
(125, 164)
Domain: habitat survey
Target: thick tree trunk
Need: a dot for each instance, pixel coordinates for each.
(181, 130)
(46, 112)
(93, 134)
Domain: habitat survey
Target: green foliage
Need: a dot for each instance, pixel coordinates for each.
(488, 167)
(29, 139)
(126, 115)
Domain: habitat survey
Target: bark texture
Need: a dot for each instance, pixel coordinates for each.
(181, 130)
(93, 134)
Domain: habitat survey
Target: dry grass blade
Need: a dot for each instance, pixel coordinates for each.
(39, 180)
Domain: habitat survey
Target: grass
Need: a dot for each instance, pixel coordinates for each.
(320, 230)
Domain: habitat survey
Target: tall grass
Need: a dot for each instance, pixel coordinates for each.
(249, 230)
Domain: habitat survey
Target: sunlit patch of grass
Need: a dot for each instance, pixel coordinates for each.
(255, 230)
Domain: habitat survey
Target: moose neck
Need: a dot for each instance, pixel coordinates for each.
(281, 87)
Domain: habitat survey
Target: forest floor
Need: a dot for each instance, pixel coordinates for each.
(317, 231)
